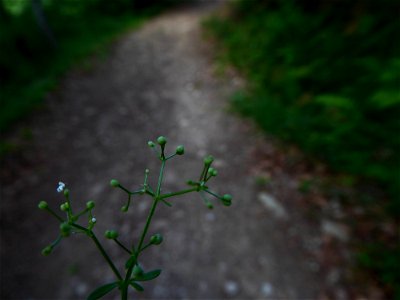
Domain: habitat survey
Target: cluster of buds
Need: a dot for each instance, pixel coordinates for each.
(68, 223)
(134, 272)
(207, 173)
(162, 141)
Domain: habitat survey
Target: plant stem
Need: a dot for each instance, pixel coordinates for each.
(103, 252)
(105, 255)
(211, 193)
(125, 285)
(178, 193)
(54, 214)
(122, 246)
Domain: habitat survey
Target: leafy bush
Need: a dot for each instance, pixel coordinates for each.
(31, 62)
(325, 75)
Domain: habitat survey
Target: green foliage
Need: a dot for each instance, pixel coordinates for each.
(383, 261)
(133, 270)
(325, 75)
(30, 65)
(102, 291)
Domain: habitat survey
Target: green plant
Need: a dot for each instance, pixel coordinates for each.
(133, 270)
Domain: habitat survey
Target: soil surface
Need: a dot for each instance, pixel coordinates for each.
(158, 80)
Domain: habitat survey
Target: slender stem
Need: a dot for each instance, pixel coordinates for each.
(82, 212)
(166, 202)
(125, 285)
(145, 247)
(105, 255)
(146, 227)
(211, 193)
(150, 192)
(55, 243)
(54, 214)
(129, 192)
(178, 193)
(203, 173)
(122, 246)
(171, 156)
(103, 252)
(160, 178)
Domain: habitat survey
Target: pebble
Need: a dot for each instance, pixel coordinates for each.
(273, 205)
(210, 216)
(81, 289)
(231, 288)
(266, 289)
(334, 229)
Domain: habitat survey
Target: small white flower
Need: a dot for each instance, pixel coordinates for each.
(61, 186)
(93, 220)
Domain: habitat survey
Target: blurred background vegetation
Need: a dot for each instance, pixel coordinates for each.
(325, 76)
(321, 74)
(41, 39)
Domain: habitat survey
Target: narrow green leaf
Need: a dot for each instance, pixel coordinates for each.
(137, 286)
(102, 290)
(148, 276)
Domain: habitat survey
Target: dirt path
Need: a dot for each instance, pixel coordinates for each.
(158, 80)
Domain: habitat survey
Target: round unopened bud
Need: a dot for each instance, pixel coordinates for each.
(226, 200)
(65, 229)
(66, 192)
(156, 239)
(114, 183)
(209, 205)
(124, 208)
(137, 271)
(43, 205)
(212, 172)
(147, 171)
(161, 140)
(208, 160)
(90, 204)
(64, 206)
(111, 234)
(151, 144)
(47, 250)
(180, 150)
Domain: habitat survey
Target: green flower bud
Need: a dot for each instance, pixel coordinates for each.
(90, 204)
(209, 205)
(161, 140)
(180, 150)
(208, 160)
(65, 229)
(137, 271)
(124, 208)
(156, 239)
(147, 171)
(43, 205)
(66, 192)
(114, 183)
(151, 144)
(226, 200)
(47, 250)
(212, 172)
(111, 234)
(64, 206)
